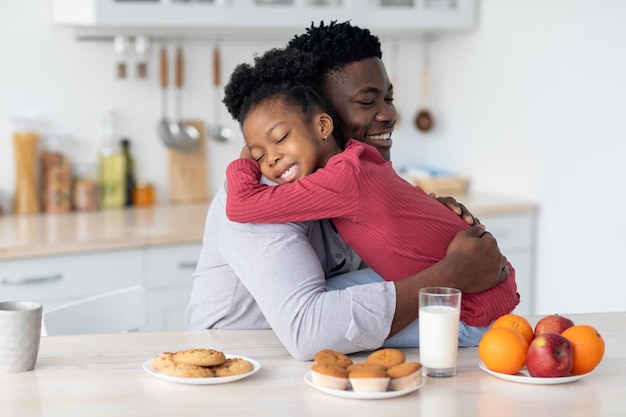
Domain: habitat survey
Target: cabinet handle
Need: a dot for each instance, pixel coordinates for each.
(187, 265)
(35, 279)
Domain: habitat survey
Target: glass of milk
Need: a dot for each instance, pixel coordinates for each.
(439, 313)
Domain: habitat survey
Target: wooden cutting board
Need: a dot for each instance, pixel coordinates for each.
(188, 173)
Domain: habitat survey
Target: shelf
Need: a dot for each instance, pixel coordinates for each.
(237, 17)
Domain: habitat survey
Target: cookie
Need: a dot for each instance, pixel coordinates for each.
(163, 360)
(332, 358)
(386, 357)
(200, 357)
(187, 371)
(233, 366)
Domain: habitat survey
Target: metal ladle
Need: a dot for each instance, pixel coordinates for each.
(218, 131)
(175, 134)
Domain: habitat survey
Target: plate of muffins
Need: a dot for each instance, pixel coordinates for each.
(200, 366)
(384, 374)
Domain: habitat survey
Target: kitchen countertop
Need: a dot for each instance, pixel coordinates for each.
(77, 232)
(102, 375)
(27, 236)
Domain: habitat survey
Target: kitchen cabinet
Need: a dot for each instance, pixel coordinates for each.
(515, 234)
(55, 280)
(165, 271)
(168, 271)
(262, 16)
(60, 258)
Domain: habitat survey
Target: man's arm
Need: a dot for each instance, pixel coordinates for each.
(279, 266)
(473, 263)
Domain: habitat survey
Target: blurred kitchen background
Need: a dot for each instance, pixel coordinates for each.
(529, 102)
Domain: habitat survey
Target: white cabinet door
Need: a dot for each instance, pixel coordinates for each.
(166, 309)
(58, 279)
(168, 271)
(516, 239)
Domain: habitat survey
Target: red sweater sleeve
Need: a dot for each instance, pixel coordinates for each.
(329, 192)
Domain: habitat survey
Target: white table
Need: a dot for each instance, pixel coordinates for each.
(102, 375)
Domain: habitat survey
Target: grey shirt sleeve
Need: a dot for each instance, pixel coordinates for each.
(274, 275)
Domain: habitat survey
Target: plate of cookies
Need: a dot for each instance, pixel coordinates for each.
(384, 374)
(200, 366)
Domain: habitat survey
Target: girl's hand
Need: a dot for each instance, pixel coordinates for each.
(245, 152)
(458, 209)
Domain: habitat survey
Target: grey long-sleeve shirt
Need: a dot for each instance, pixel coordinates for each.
(259, 276)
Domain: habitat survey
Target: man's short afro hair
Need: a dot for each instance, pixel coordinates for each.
(337, 44)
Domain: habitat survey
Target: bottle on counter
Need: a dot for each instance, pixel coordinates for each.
(56, 176)
(112, 170)
(25, 149)
(129, 174)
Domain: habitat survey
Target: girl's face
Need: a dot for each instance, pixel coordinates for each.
(362, 97)
(284, 144)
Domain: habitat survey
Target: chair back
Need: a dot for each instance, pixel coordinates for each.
(116, 311)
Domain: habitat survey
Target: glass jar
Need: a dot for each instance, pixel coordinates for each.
(25, 148)
(56, 176)
(85, 191)
(143, 194)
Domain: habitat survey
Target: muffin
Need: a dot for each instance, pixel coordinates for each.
(365, 367)
(332, 358)
(329, 376)
(372, 380)
(405, 375)
(386, 357)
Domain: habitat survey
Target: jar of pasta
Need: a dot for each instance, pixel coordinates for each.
(25, 147)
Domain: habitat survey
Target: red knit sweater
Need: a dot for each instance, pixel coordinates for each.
(395, 227)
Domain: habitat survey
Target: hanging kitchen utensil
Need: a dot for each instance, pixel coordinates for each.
(188, 135)
(175, 134)
(120, 46)
(142, 47)
(424, 119)
(164, 124)
(217, 130)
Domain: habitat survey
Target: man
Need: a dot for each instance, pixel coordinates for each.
(252, 276)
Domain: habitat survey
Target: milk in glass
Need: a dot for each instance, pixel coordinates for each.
(439, 314)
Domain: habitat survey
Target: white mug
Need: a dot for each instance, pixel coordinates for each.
(20, 333)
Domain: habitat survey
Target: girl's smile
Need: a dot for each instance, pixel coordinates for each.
(286, 143)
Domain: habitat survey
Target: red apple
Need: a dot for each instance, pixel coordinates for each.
(552, 323)
(550, 355)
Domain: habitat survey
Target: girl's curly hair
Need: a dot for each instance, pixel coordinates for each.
(337, 44)
(288, 73)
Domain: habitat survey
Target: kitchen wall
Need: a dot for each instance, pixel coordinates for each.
(529, 104)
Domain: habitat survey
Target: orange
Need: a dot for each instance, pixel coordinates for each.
(516, 322)
(587, 345)
(503, 349)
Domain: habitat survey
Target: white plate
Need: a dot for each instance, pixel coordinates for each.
(147, 366)
(524, 377)
(360, 395)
